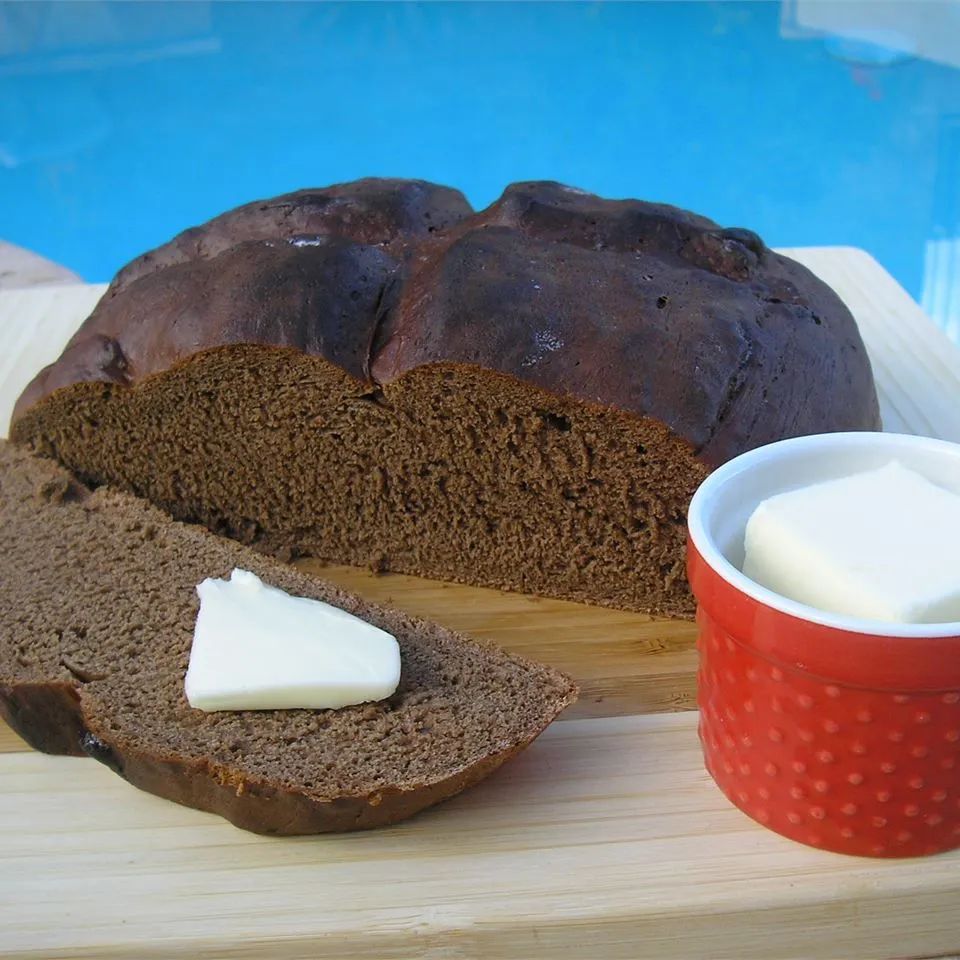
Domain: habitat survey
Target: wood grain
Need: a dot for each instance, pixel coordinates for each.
(625, 663)
(605, 839)
(9, 741)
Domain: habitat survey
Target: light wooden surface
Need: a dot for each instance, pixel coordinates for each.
(605, 839)
(35, 325)
(24, 268)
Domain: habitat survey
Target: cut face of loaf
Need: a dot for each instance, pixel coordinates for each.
(525, 397)
(447, 472)
(97, 607)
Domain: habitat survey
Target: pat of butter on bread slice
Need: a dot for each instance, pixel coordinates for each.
(258, 648)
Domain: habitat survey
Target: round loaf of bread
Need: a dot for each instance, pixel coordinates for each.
(524, 397)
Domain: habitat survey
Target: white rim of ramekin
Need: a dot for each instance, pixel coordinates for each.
(707, 548)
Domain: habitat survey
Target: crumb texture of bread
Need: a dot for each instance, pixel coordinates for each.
(97, 607)
(524, 397)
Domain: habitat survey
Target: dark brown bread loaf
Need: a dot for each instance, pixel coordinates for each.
(524, 397)
(97, 606)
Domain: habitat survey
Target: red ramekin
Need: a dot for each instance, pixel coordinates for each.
(840, 732)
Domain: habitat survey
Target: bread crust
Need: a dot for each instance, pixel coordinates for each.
(49, 716)
(637, 306)
(269, 808)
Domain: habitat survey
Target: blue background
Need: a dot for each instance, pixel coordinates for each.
(120, 124)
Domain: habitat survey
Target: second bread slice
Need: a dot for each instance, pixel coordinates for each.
(97, 607)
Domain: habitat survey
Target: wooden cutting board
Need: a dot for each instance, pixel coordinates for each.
(605, 839)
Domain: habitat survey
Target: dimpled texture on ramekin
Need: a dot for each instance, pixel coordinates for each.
(857, 771)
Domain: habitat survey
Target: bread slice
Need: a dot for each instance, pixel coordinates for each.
(97, 607)
(524, 397)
